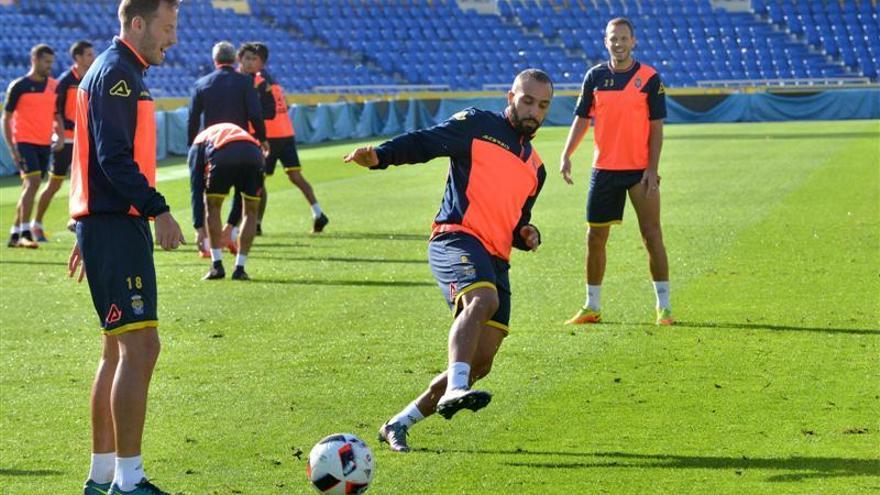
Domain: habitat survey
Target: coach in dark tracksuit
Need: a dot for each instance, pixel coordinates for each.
(225, 96)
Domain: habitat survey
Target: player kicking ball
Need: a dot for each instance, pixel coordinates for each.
(494, 179)
(222, 156)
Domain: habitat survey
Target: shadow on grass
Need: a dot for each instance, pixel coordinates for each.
(801, 467)
(336, 259)
(747, 326)
(380, 236)
(773, 137)
(29, 472)
(32, 262)
(345, 283)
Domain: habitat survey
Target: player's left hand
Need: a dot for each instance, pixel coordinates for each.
(266, 148)
(75, 262)
(651, 182)
(530, 234)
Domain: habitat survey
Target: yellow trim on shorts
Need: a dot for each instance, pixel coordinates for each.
(30, 174)
(216, 195)
(57, 177)
(475, 285)
(138, 325)
(604, 224)
(250, 198)
(293, 169)
(500, 326)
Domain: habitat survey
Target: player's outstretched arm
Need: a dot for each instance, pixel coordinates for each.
(365, 157)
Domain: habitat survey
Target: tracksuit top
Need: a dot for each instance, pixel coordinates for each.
(225, 96)
(494, 176)
(65, 104)
(114, 147)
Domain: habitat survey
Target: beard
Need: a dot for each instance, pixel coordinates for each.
(524, 126)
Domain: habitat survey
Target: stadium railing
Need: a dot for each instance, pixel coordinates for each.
(383, 88)
(828, 82)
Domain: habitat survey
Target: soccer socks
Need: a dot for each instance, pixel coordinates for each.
(458, 376)
(36, 225)
(14, 230)
(129, 472)
(240, 260)
(316, 210)
(594, 293)
(662, 291)
(409, 416)
(233, 234)
(216, 254)
(103, 466)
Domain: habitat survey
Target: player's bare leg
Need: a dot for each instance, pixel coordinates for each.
(44, 201)
(138, 353)
(320, 219)
(594, 263)
(246, 236)
(647, 207)
(103, 437)
(29, 186)
(214, 205)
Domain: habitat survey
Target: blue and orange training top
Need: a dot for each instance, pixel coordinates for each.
(623, 105)
(32, 105)
(494, 176)
(205, 144)
(65, 104)
(114, 148)
(225, 96)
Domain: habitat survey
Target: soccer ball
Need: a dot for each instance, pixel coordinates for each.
(340, 464)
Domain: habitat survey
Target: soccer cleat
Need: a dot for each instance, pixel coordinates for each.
(92, 488)
(259, 229)
(144, 487)
(39, 235)
(462, 398)
(24, 242)
(240, 274)
(13, 240)
(584, 316)
(216, 273)
(664, 316)
(394, 435)
(320, 223)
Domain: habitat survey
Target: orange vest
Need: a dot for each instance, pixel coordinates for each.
(623, 125)
(34, 117)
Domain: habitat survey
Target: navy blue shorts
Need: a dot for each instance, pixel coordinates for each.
(460, 264)
(239, 164)
(117, 253)
(607, 197)
(283, 149)
(34, 159)
(61, 161)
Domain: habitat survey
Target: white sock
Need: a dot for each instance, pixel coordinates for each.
(15, 229)
(129, 472)
(216, 254)
(234, 234)
(409, 416)
(240, 259)
(662, 291)
(316, 210)
(36, 225)
(594, 295)
(458, 376)
(102, 468)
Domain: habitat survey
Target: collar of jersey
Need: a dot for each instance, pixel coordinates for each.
(134, 53)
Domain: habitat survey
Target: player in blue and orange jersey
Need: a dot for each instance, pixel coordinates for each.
(28, 124)
(282, 138)
(627, 100)
(221, 157)
(83, 55)
(495, 176)
(112, 197)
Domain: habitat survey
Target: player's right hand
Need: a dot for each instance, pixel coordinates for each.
(365, 157)
(168, 233)
(75, 262)
(565, 169)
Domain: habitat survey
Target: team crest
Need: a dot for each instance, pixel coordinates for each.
(120, 89)
(137, 304)
(638, 83)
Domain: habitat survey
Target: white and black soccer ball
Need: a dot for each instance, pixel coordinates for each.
(340, 464)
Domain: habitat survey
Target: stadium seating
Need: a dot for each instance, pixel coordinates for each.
(359, 43)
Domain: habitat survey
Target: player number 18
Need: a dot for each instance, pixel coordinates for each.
(137, 283)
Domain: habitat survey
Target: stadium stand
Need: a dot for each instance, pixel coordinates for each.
(363, 43)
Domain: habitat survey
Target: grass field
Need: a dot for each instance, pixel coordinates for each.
(769, 384)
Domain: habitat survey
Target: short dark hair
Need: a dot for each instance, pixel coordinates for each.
(79, 48)
(537, 75)
(129, 9)
(250, 46)
(262, 51)
(625, 22)
(42, 49)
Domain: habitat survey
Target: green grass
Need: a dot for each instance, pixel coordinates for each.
(770, 384)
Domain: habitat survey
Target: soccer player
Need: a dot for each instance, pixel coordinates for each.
(83, 54)
(112, 197)
(225, 96)
(282, 138)
(495, 177)
(627, 100)
(223, 156)
(28, 120)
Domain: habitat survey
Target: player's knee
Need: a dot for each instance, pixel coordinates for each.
(251, 207)
(484, 304)
(651, 233)
(31, 184)
(597, 238)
